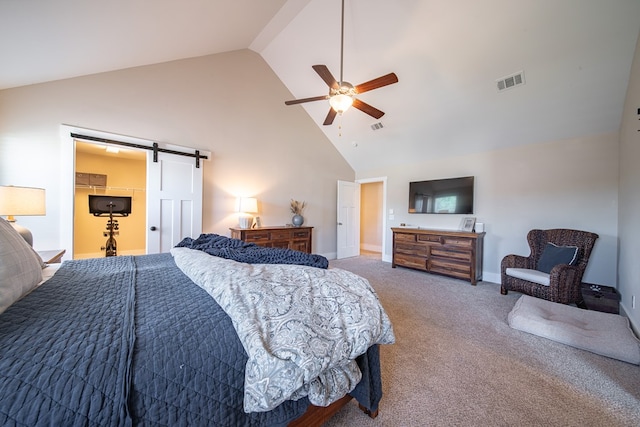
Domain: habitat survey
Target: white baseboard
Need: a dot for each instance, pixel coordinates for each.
(370, 247)
(491, 277)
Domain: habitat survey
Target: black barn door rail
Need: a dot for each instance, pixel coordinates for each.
(153, 148)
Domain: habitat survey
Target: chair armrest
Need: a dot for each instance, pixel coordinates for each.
(565, 283)
(566, 274)
(515, 261)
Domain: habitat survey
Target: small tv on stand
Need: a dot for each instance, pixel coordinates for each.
(109, 205)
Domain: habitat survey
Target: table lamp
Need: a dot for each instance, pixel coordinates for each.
(246, 207)
(17, 201)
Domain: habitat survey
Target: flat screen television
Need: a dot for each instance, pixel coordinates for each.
(442, 196)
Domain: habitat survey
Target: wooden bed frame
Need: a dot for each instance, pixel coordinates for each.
(318, 415)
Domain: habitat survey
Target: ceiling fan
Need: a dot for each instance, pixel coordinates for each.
(342, 94)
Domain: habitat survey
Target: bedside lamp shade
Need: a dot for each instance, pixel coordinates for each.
(22, 201)
(245, 207)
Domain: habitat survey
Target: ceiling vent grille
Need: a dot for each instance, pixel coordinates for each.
(511, 81)
(377, 126)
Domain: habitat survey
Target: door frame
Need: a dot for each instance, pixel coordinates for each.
(383, 180)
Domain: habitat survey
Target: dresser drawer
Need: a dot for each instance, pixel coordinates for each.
(404, 260)
(456, 255)
(301, 234)
(457, 241)
(280, 234)
(412, 249)
(257, 236)
(448, 267)
(401, 237)
(429, 238)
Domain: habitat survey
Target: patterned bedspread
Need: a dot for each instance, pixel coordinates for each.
(302, 327)
(125, 341)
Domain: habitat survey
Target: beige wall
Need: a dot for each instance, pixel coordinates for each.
(231, 104)
(629, 228)
(125, 177)
(563, 184)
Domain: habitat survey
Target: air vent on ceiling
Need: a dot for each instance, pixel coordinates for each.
(377, 126)
(511, 81)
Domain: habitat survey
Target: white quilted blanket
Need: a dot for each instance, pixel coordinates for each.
(302, 327)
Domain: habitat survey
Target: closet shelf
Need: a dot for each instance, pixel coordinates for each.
(103, 187)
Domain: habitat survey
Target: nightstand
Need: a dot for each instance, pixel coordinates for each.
(53, 256)
(600, 298)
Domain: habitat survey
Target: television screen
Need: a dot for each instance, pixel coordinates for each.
(442, 196)
(104, 205)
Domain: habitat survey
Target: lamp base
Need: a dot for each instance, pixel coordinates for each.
(245, 221)
(25, 233)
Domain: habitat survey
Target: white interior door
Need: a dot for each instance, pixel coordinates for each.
(174, 201)
(348, 219)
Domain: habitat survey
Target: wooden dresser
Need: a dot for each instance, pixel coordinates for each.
(453, 253)
(297, 238)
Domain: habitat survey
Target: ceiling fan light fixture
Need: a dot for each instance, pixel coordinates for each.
(340, 102)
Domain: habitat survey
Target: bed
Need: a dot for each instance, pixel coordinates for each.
(135, 341)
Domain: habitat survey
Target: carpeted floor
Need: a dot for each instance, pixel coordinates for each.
(457, 362)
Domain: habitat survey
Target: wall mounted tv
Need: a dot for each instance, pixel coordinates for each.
(442, 196)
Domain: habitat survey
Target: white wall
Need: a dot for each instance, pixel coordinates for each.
(628, 264)
(231, 104)
(560, 184)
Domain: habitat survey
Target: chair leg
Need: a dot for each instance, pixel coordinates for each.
(503, 291)
(582, 304)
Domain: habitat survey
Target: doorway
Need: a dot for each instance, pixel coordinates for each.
(107, 170)
(372, 217)
(371, 220)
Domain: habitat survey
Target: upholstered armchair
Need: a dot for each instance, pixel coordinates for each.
(554, 269)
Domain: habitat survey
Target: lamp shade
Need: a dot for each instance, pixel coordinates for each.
(247, 205)
(17, 201)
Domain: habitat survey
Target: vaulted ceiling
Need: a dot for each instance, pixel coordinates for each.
(448, 54)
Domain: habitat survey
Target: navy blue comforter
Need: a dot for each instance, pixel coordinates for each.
(250, 253)
(131, 341)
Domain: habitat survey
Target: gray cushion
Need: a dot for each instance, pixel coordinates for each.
(606, 334)
(554, 255)
(20, 266)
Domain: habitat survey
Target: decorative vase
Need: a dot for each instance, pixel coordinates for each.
(297, 220)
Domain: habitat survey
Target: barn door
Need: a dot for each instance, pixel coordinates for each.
(174, 201)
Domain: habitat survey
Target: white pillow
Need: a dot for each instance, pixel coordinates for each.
(20, 266)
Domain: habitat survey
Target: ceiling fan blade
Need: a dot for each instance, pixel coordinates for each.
(366, 108)
(326, 75)
(330, 117)
(385, 80)
(300, 101)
